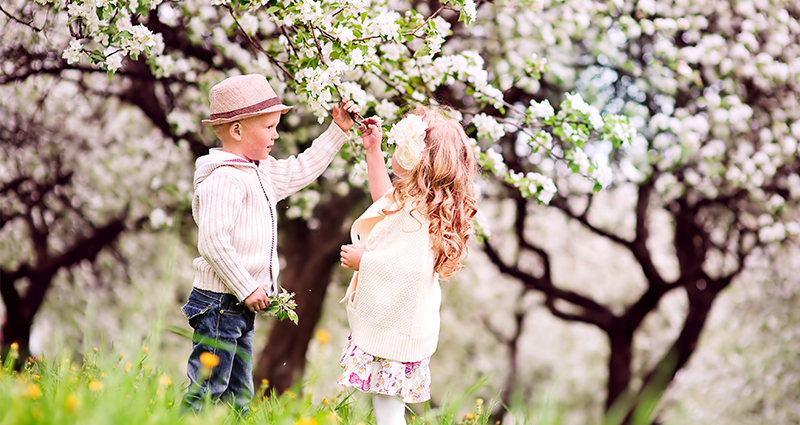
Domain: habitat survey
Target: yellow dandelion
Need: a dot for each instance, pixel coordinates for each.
(265, 382)
(290, 394)
(145, 349)
(14, 346)
(209, 360)
(306, 421)
(34, 391)
(72, 403)
(95, 385)
(480, 401)
(127, 367)
(121, 356)
(96, 350)
(470, 416)
(35, 377)
(164, 380)
(322, 335)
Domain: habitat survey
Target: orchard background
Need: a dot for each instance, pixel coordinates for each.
(639, 194)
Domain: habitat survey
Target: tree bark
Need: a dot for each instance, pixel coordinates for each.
(311, 256)
(21, 309)
(619, 365)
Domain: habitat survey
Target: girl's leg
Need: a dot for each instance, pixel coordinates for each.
(389, 410)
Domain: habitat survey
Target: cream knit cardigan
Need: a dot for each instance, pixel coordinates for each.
(393, 300)
(234, 208)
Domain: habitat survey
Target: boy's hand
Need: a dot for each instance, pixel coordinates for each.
(351, 257)
(257, 301)
(371, 133)
(341, 116)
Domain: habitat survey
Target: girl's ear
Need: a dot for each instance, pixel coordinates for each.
(235, 130)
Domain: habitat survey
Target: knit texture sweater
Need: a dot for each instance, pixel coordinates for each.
(393, 300)
(234, 208)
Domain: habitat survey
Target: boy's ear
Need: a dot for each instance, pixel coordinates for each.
(235, 131)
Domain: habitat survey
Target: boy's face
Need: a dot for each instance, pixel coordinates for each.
(258, 134)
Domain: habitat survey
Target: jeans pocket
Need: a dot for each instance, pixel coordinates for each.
(234, 310)
(193, 310)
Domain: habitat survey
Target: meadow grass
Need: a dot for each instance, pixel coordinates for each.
(109, 387)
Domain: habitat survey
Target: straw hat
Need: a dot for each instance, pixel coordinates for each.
(243, 96)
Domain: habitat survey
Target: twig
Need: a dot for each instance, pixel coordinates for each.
(414, 31)
(258, 46)
(15, 19)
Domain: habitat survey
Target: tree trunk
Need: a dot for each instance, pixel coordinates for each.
(311, 256)
(619, 366)
(21, 309)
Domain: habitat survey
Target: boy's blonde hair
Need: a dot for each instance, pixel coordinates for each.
(440, 187)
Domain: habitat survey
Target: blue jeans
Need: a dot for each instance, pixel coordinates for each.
(223, 326)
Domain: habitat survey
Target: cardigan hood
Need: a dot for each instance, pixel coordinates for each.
(216, 158)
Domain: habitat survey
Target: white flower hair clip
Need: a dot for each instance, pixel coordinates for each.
(408, 135)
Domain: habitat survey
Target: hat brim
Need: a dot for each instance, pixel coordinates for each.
(276, 108)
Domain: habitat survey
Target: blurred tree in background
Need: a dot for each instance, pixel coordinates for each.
(100, 126)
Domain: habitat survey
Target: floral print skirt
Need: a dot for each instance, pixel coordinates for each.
(411, 381)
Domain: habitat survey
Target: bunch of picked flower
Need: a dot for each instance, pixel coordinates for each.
(282, 307)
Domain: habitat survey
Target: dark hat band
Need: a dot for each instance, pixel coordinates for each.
(247, 110)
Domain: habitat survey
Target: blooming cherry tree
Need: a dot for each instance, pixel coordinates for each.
(691, 103)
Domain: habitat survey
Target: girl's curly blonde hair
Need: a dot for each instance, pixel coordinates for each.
(440, 187)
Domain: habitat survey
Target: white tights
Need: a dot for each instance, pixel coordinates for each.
(388, 410)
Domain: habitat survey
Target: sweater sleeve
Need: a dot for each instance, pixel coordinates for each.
(221, 198)
(289, 175)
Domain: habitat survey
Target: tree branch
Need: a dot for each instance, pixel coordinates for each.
(593, 312)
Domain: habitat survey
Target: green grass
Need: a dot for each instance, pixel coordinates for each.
(115, 388)
(112, 387)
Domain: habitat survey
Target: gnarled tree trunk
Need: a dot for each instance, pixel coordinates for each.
(311, 256)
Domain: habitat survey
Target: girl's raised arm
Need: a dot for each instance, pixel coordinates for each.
(379, 181)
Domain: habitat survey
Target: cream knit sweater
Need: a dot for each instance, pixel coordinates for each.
(393, 300)
(234, 208)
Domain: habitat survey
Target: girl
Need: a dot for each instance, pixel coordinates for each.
(414, 232)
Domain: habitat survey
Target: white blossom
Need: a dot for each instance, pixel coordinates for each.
(488, 127)
(73, 54)
(541, 109)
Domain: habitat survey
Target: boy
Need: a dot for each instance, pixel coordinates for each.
(236, 189)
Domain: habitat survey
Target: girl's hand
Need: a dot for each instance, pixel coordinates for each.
(371, 133)
(341, 116)
(351, 257)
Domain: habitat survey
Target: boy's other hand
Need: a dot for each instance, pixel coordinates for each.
(341, 115)
(351, 257)
(257, 301)
(371, 133)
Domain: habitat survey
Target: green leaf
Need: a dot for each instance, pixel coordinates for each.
(96, 56)
(424, 51)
